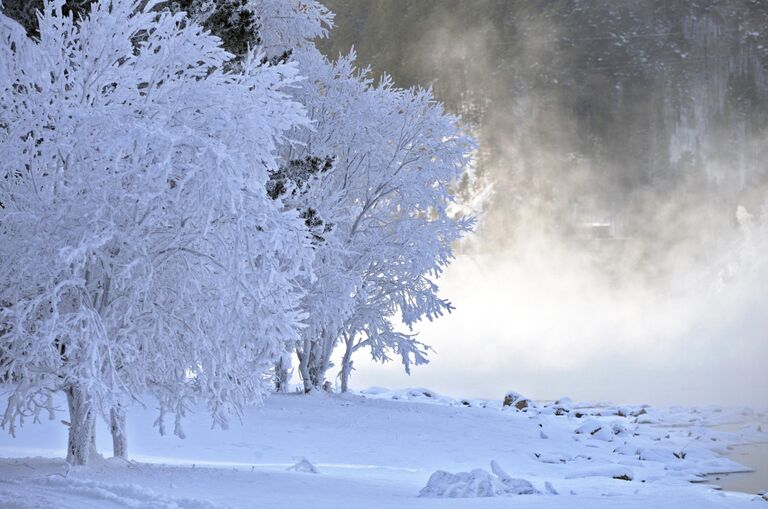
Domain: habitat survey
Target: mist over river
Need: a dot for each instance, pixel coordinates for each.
(621, 184)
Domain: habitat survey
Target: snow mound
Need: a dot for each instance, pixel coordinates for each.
(660, 454)
(424, 395)
(552, 458)
(304, 465)
(590, 427)
(71, 493)
(477, 483)
(614, 471)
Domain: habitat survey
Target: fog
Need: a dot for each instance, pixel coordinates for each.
(620, 187)
(547, 327)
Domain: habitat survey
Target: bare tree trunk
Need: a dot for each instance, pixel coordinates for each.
(324, 362)
(320, 361)
(314, 371)
(117, 420)
(345, 373)
(346, 363)
(304, 355)
(314, 362)
(82, 424)
(317, 370)
(282, 373)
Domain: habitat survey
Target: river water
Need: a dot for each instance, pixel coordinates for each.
(754, 456)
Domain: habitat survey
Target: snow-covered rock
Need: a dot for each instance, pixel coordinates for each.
(477, 483)
(516, 400)
(304, 465)
(589, 427)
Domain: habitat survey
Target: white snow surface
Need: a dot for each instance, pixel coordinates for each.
(379, 448)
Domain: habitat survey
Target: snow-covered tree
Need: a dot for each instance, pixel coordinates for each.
(139, 250)
(371, 179)
(25, 11)
(290, 25)
(382, 205)
(276, 27)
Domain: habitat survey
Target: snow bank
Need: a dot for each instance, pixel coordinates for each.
(69, 492)
(379, 449)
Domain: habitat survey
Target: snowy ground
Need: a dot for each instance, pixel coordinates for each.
(379, 448)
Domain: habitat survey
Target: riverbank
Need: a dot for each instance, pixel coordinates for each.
(380, 448)
(753, 454)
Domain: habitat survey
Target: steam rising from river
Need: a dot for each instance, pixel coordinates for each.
(547, 323)
(590, 275)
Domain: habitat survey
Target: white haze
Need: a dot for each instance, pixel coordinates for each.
(548, 327)
(672, 310)
(676, 313)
